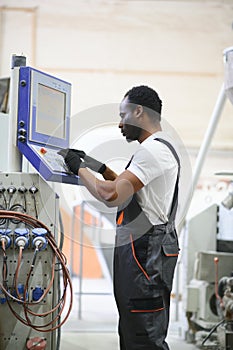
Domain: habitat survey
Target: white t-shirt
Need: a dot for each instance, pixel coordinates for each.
(155, 166)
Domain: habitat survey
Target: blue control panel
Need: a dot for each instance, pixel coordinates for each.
(44, 123)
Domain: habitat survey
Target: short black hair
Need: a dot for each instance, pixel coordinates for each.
(148, 98)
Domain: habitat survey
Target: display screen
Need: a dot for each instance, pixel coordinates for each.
(50, 112)
(45, 105)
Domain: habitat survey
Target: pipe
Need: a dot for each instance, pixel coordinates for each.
(209, 135)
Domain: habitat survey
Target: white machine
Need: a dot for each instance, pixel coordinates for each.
(35, 285)
(209, 253)
(209, 301)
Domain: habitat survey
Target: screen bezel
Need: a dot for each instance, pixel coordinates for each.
(40, 78)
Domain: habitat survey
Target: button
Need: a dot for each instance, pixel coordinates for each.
(22, 131)
(21, 138)
(43, 150)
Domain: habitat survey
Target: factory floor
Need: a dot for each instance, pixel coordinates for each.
(94, 325)
(109, 341)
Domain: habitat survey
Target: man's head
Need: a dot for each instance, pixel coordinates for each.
(147, 98)
(140, 112)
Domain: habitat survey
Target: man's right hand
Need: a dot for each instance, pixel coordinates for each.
(90, 162)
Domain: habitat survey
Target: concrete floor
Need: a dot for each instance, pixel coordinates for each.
(109, 341)
(96, 329)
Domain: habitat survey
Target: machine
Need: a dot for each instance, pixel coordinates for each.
(208, 252)
(209, 278)
(35, 284)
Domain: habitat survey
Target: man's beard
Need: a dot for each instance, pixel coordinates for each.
(133, 133)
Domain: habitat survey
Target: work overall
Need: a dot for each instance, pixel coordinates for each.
(144, 261)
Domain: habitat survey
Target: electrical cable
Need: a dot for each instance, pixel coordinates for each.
(25, 202)
(35, 206)
(15, 279)
(59, 291)
(15, 207)
(212, 331)
(58, 338)
(56, 321)
(4, 198)
(4, 266)
(61, 231)
(10, 198)
(3, 221)
(27, 321)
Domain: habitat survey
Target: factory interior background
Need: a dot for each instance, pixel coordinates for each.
(103, 48)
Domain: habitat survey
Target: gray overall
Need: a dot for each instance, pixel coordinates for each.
(145, 257)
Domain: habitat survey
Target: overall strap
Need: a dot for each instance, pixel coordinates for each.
(128, 164)
(175, 195)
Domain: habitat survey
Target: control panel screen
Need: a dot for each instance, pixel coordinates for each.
(44, 123)
(50, 112)
(49, 109)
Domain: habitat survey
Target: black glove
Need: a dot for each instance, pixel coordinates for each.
(72, 160)
(90, 162)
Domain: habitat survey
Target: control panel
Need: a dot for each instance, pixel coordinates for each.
(53, 160)
(44, 122)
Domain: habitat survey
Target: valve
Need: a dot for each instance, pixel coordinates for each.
(21, 232)
(2, 297)
(37, 293)
(5, 231)
(39, 231)
(20, 294)
(22, 239)
(40, 242)
(4, 237)
(20, 289)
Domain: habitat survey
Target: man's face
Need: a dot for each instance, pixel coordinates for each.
(128, 122)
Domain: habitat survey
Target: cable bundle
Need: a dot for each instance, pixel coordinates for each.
(58, 259)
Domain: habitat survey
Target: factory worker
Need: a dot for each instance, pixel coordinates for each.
(146, 195)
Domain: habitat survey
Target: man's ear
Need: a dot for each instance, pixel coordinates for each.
(139, 111)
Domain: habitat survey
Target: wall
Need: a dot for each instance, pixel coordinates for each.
(105, 47)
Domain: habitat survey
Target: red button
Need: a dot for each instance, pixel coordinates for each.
(43, 150)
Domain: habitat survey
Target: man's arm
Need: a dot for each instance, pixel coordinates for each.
(109, 174)
(115, 190)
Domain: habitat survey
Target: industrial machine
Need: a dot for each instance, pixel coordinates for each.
(35, 284)
(208, 293)
(208, 252)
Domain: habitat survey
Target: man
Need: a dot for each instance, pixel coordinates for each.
(146, 195)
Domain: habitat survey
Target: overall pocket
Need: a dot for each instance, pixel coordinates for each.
(139, 249)
(139, 305)
(170, 252)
